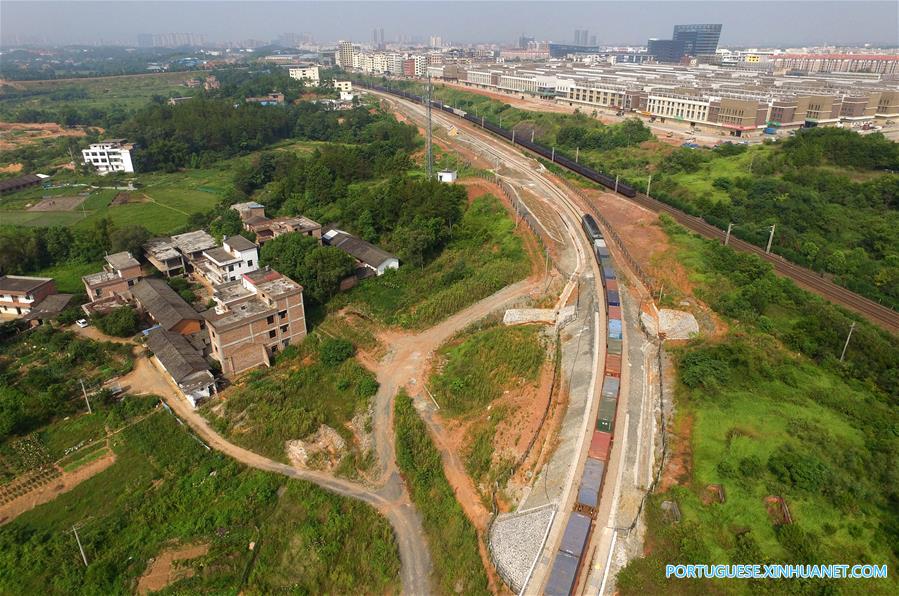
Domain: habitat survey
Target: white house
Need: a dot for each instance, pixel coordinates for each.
(448, 176)
(113, 155)
(304, 73)
(346, 86)
(236, 256)
(368, 256)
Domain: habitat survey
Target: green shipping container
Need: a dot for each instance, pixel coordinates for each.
(605, 420)
(614, 346)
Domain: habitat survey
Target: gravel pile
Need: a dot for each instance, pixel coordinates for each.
(515, 542)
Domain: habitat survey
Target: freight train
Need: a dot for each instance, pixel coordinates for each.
(571, 556)
(550, 154)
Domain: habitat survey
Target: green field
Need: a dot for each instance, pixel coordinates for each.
(127, 92)
(769, 411)
(165, 489)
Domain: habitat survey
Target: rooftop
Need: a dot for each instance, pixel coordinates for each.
(239, 243)
(20, 283)
(183, 362)
(220, 255)
(248, 289)
(161, 249)
(49, 307)
(19, 181)
(357, 248)
(122, 260)
(162, 302)
(196, 241)
(247, 206)
(100, 277)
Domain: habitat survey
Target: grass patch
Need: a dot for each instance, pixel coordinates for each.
(477, 368)
(452, 537)
(483, 256)
(292, 400)
(68, 275)
(166, 489)
(774, 412)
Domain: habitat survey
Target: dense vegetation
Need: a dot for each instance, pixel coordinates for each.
(452, 538)
(482, 256)
(771, 411)
(40, 374)
(306, 388)
(834, 211)
(166, 490)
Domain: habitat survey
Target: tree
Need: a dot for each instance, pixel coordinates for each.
(319, 269)
(334, 351)
(130, 238)
(121, 322)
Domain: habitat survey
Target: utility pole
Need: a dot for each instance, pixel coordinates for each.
(78, 540)
(86, 400)
(513, 136)
(727, 236)
(577, 154)
(616, 183)
(430, 154)
(846, 345)
(553, 158)
(648, 184)
(770, 240)
(532, 135)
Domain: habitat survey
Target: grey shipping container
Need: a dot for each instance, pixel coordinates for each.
(612, 298)
(563, 575)
(610, 387)
(605, 420)
(608, 273)
(575, 537)
(602, 251)
(588, 493)
(613, 346)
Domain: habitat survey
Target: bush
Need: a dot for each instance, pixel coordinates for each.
(121, 322)
(334, 351)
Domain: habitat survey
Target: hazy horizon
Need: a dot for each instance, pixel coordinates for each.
(759, 23)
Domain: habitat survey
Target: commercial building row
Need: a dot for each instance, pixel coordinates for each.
(707, 95)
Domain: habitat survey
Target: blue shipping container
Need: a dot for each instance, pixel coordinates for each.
(588, 492)
(608, 273)
(612, 298)
(615, 327)
(562, 576)
(575, 537)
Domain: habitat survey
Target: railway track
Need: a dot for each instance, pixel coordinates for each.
(876, 313)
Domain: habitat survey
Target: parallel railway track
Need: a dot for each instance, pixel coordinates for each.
(880, 315)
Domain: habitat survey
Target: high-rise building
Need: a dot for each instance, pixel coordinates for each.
(523, 42)
(687, 40)
(344, 54)
(581, 37)
(699, 40)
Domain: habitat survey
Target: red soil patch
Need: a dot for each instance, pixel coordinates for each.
(163, 570)
(680, 458)
(17, 134)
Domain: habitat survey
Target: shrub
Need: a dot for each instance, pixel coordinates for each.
(334, 351)
(121, 322)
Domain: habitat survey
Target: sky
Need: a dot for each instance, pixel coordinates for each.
(759, 23)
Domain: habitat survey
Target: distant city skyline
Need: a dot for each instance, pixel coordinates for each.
(759, 23)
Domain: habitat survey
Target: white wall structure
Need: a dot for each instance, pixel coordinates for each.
(113, 155)
(304, 73)
(236, 257)
(448, 176)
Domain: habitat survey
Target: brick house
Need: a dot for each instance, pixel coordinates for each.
(254, 318)
(19, 294)
(163, 304)
(119, 275)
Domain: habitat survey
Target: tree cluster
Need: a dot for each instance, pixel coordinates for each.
(630, 132)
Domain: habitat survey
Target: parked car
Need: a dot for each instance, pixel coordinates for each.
(82, 323)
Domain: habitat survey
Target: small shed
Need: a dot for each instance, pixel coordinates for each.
(448, 176)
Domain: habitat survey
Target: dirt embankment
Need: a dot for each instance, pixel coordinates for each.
(165, 568)
(14, 135)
